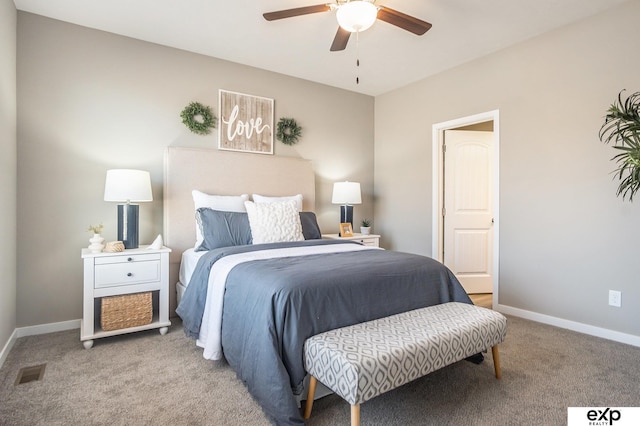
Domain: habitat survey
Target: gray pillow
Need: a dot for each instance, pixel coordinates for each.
(226, 229)
(222, 229)
(310, 228)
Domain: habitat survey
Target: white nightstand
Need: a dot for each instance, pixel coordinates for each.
(372, 240)
(116, 274)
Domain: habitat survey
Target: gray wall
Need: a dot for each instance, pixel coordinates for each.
(565, 239)
(89, 101)
(8, 21)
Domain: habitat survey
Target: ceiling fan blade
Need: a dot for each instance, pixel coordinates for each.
(340, 40)
(298, 11)
(402, 20)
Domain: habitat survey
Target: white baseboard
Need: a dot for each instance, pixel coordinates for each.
(35, 330)
(8, 346)
(591, 330)
(47, 328)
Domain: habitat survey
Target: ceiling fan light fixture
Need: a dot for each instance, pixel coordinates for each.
(356, 15)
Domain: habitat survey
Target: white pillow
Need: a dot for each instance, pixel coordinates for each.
(262, 199)
(224, 203)
(274, 222)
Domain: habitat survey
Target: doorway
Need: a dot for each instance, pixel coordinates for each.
(466, 200)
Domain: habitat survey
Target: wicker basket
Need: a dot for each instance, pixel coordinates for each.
(129, 310)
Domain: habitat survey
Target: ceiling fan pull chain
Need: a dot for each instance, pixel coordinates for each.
(357, 56)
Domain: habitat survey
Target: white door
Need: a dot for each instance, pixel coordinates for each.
(468, 208)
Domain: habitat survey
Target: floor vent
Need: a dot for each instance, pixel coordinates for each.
(30, 374)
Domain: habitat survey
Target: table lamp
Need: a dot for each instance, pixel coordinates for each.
(126, 186)
(346, 194)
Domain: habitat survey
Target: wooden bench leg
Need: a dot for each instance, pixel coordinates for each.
(312, 391)
(355, 415)
(496, 361)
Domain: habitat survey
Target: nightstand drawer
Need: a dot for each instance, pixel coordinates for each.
(126, 273)
(128, 258)
(372, 242)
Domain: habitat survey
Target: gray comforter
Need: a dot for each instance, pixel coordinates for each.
(272, 306)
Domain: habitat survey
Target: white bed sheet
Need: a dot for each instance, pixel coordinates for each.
(190, 259)
(188, 264)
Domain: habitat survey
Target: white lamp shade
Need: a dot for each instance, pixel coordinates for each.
(357, 15)
(346, 193)
(124, 185)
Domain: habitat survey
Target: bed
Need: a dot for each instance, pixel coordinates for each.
(255, 304)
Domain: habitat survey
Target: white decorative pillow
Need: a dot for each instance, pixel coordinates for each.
(262, 199)
(274, 222)
(223, 203)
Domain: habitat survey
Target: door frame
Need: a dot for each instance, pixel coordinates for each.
(437, 139)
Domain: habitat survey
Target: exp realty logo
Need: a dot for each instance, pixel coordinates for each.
(603, 416)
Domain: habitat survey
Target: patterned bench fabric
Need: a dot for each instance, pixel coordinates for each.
(365, 360)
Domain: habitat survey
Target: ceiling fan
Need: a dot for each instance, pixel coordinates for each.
(355, 16)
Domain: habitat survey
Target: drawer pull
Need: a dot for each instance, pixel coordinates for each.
(129, 274)
(129, 259)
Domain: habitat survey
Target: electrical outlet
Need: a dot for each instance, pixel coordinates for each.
(615, 298)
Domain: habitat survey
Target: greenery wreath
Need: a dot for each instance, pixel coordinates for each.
(288, 131)
(198, 118)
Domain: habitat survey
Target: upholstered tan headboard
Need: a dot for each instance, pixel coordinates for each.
(223, 173)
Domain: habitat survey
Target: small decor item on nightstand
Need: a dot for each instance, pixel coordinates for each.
(346, 230)
(156, 244)
(114, 247)
(96, 241)
(365, 227)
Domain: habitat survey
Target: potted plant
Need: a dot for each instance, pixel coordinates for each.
(365, 227)
(622, 127)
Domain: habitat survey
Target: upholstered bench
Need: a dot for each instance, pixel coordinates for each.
(365, 360)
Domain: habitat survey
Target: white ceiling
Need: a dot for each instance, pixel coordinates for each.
(389, 56)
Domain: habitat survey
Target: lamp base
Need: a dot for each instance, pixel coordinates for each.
(346, 214)
(128, 225)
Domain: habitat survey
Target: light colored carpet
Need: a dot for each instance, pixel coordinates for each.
(149, 379)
